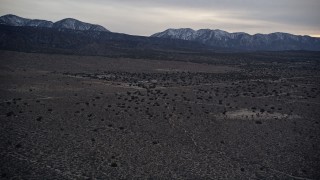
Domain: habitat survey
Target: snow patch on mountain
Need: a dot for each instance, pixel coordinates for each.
(75, 24)
(68, 23)
(241, 40)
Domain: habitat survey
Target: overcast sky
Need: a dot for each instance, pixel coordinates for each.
(145, 17)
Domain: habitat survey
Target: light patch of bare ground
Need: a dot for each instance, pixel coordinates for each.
(243, 114)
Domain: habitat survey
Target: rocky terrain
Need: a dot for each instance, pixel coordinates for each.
(184, 116)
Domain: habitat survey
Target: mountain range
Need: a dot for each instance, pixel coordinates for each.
(76, 36)
(217, 38)
(68, 23)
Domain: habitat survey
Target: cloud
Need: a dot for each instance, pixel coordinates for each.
(145, 17)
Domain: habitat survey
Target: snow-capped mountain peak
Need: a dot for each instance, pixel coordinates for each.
(240, 40)
(74, 24)
(13, 20)
(68, 23)
(183, 33)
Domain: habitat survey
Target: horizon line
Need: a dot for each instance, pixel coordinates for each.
(311, 35)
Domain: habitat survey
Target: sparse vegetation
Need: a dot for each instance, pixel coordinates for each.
(142, 117)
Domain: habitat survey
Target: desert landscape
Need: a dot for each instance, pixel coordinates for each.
(178, 116)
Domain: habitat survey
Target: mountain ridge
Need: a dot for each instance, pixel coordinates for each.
(67, 23)
(203, 38)
(241, 40)
(223, 31)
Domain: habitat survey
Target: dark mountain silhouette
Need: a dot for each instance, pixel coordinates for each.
(66, 41)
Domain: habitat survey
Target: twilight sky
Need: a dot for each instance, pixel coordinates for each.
(145, 17)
